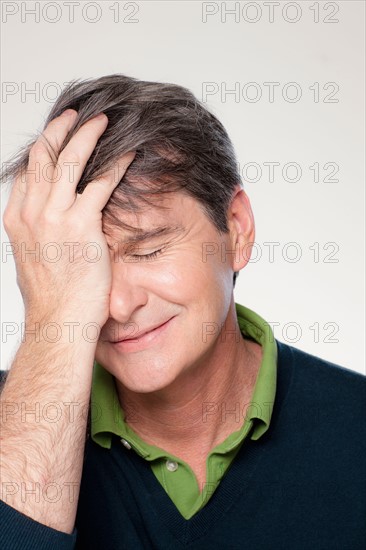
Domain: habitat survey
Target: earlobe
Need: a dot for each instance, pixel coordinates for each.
(239, 259)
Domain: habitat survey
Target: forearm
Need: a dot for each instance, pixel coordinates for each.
(44, 406)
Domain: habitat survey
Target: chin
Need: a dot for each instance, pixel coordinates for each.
(144, 376)
(148, 385)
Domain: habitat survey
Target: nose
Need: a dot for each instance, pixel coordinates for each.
(127, 294)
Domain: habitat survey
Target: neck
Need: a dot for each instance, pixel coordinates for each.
(206, 403)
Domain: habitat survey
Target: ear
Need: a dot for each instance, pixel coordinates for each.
(242, 228)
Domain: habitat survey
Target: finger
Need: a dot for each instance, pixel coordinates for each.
(97, 193)
(72, 161)
(17, 194)
(29, 183)
(41, 165)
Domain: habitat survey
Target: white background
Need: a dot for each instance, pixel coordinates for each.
(175, 42)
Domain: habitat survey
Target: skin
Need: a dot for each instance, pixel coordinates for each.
(166, 381)
(164, 384)
(36, 453)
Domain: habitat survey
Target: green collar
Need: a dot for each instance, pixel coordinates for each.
(107, 416)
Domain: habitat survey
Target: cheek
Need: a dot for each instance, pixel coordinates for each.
(187, 275)
(205, 294)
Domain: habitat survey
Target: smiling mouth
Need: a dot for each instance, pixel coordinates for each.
(142, 334)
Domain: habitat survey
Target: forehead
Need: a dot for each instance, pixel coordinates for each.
(168, 216)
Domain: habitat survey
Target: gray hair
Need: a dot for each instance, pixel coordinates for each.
(179, 145)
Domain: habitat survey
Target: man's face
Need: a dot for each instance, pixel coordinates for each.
(188, 286)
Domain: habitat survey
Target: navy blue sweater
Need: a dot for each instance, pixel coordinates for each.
(302, 485)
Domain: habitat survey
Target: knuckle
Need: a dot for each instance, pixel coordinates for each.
(37, 149)
(48, 218)
(76, 223)
(26, 215)
(70, 157)
(8, 219)
(54, 220)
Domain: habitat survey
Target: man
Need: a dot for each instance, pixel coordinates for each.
(204, 431)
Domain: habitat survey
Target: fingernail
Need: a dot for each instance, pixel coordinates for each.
(68, 112)
(101, 115)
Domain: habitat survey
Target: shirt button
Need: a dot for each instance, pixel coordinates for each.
(171, 465)
(126, 444)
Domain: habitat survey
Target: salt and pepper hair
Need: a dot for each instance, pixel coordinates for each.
(180, 146)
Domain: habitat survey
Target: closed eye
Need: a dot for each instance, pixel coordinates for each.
(138, 256)
(148, 256)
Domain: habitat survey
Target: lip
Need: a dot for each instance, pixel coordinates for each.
(134, 344)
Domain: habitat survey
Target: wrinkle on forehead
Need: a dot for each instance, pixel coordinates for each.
(140, 235)
(161, 218)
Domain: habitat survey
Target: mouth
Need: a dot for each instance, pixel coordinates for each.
(143, 338)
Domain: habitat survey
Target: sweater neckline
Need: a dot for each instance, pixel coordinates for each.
(236, 481)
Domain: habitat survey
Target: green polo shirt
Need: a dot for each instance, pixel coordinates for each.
(175, 475)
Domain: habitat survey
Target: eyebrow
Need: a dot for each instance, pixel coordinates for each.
(142, 235)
